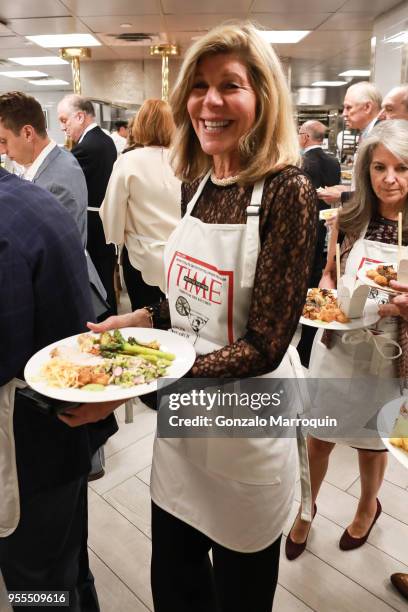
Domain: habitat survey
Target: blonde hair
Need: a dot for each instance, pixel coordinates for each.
(363, 206)
(153, 124)
(271, 143)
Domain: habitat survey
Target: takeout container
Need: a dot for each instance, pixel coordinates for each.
(351, 298)
(402, 272)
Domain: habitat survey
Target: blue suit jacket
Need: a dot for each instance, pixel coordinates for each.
(44, 296)
(61, 174)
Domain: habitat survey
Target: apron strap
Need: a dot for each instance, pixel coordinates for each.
(197, 194)
(252, 242)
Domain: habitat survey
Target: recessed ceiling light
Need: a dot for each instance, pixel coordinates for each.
(355, 73)
(65, 40)
(283, 36)
(49, 82)
(401, 37)
(49, 60)
(125, 25)
(23, 74)
(329, 83)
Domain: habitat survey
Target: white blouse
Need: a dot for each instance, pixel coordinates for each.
(141, 208)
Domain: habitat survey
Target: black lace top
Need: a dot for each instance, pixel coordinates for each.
(288, 223)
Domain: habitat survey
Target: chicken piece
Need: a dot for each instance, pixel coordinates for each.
(372, 274)
(381, 280)
(100, 378)
(84, 376)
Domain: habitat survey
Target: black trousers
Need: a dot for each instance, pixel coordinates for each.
(184, 580)
(105, 266)
(48, 550)
(140, 293)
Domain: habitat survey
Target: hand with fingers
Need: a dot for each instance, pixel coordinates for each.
(138, 318)
(398, 306)
(89, 413)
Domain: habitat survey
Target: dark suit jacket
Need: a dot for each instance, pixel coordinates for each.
(96, 154)
(45, 296)
(323, 169)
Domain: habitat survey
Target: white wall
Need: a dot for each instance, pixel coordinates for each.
(389, 56)
(49, 102)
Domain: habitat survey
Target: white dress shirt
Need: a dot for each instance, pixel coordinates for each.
(31, 170)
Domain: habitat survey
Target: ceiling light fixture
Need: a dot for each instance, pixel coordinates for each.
(49, 60)
(125, 25)
(283, 36)
(49, 82)
(355, 73)
(401, 37)
(50, 41)
(23, 74)
(329, 83)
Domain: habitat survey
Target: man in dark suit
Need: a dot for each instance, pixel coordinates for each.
(324, 171)
(43, 481)
(322, 168)
(96, 154)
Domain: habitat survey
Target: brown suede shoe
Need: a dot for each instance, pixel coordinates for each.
(293, 550)
(347, 542)
(400, 581)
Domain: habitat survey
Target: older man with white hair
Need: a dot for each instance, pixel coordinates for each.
(395, 103)
(361, 111)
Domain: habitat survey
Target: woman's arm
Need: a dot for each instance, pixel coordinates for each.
(329, 273)
(281, 281)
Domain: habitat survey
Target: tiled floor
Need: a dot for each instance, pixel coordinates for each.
(323, 579)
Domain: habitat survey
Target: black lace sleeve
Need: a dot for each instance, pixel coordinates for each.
(288, 231)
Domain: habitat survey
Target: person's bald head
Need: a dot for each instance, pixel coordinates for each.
(395, 103)
(362, 104)
(75, 113)
(311, 133)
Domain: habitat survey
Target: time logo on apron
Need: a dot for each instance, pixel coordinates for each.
(205, 295)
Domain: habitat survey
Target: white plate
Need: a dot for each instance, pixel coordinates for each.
(361, 274)
(170, 342)
(370, 317)
(385, 424)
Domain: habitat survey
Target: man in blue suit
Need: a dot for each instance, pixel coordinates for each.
(45, 296)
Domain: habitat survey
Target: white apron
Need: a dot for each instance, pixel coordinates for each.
(10, 499)
(238, 491)
(364, 352)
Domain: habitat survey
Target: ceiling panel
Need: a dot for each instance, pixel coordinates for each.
(139, 23)
(50, 25)
(102, 53)
(375, 7)
(20, 9)
(299, 6)
(198, 23)
(113, 7)
(210, 6)
(132, 53)
(13, 42)
(349, 21)
(291, 21)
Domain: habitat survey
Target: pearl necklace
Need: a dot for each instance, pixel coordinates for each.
(224, 182)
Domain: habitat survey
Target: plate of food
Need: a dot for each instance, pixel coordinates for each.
(379, 276)
(322, 310)
(392, 424)
(113, 365)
